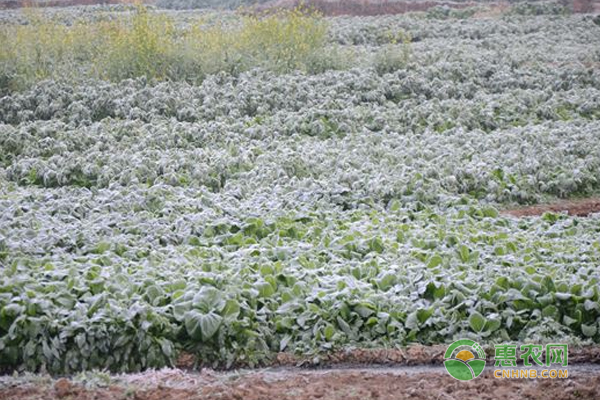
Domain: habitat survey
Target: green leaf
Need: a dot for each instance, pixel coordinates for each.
(578, 315)
(545, 300)
(395, 205)
(434, 291)
(492, 325)
(209, 299)
(46, 350)
(588, 330)
(568, 320)
(202, 326)
(345, 327)
(232, 309)
(548, 283)
(284, 342)
(424, 314)
(435, 261)
(12, 310)
(265, 289)
(363, 310)
(464, 252)
(387, 281)
(167, 347)
(551, 312)
(550, 217)
(153, 293)
(412, 321)
(563, 296)
(477, 322)
(329, 332)
(180, 309)
(376, 244)
(102, 247)
(490, 212)
(210, 323)
(591, 305)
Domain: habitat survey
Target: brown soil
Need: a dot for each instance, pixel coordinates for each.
(415, 373)
(581, 207)
(585, 6)
(304, 385)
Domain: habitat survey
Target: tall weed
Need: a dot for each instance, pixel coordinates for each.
(150, 44)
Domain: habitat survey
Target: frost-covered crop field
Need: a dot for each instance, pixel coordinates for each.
(306, 211)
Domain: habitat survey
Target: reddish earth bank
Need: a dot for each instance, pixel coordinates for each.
(582, 207)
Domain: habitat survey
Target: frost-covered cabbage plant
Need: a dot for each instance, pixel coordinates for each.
(260, 213)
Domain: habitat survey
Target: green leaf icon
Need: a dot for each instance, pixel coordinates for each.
(459, 370)
(477, 366)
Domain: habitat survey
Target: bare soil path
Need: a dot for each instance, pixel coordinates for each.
(335, 384)
(416, 372)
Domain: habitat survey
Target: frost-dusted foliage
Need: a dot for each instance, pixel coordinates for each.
(365, 165)
(494, 34)
(445, 12)
(540, 8)
(263, 212)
